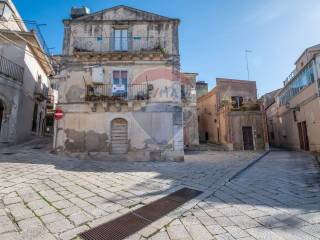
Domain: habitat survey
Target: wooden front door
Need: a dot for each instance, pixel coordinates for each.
(119, 136)
(247, 138)
(303, 136)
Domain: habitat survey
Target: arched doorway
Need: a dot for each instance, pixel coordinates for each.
(119, 136)
(1, 113)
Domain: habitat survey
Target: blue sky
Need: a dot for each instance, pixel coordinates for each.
(214, 34)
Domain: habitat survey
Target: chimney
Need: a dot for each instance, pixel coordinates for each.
(77, 12)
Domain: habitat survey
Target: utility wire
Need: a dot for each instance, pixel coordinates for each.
(18, 35)
(40, 59)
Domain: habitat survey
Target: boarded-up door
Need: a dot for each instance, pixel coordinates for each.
(247, 138)
(119, 136)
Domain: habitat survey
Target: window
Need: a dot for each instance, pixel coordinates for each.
(35, 118)
(183, 91)
(237, 102)
(119, 82)
(121, 39)
(302, 80)
(295, 115)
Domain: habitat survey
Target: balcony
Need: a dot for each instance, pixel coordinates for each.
(243, 106)
(11, 69)
(111, 92)
(113, 44)
(41, 91)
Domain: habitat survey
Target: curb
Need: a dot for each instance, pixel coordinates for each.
(253, 162)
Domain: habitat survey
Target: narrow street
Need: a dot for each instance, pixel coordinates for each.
(46, 196)
(278, 198)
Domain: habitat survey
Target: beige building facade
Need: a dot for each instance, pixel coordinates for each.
(230, 115)
(24, 82)
(293, 115)
(120, 86)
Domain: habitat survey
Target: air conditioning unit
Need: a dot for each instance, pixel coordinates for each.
(98, 75)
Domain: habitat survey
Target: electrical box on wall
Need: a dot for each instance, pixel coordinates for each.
(98, 75)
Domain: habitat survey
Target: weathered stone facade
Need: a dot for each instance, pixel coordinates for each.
(24, 70)
(190, 116)
(230, 115)
(120, 87)
(202, 88)
(293, 112)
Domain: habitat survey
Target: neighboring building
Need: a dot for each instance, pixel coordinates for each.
(294, 116)
(24, 83)
(202, 88)
(230, 115)
(120, 86)
(270, 109)
(190, 116)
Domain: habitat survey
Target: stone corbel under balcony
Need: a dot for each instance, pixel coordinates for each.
(93, 106)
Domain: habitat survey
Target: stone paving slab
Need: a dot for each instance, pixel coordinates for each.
(45, 196)
(63, 196)
(277, 198)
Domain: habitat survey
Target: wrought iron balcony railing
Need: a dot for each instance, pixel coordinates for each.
(11, 69)
(110, 92)
(113, 44)
(41, 91)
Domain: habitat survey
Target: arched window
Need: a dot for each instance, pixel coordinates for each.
(119, 136)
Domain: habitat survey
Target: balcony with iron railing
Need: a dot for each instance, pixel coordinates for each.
(113, 44)
(113, 92)
(41, 91)
(244, 106)
(11, 69)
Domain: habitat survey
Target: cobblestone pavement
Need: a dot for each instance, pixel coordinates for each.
(277, 198)
(45, 196)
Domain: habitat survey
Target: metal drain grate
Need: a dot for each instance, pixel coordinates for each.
(119, 228)
(130, 223)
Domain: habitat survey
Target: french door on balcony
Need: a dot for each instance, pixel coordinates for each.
(120, 83)
(121, 40)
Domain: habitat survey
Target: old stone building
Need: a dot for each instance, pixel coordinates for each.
(189, 105)
(230, 115)
(293, 114)
(120, 86)
(24, 83)
(202, 88)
